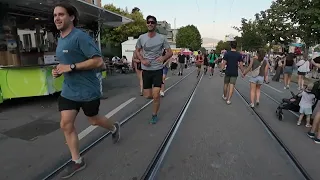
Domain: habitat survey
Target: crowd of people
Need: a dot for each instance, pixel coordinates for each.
(81, 61)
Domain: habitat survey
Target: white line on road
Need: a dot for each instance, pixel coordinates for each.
(89, 129)
(278, 102)
(273, 88)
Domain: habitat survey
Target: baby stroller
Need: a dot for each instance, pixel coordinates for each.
(292, 103)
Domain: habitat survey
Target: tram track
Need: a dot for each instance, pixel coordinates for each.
(274, 135)
(156, 162)
(53, 173)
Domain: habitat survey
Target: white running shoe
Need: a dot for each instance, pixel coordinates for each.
(223, 97)
(161, 93)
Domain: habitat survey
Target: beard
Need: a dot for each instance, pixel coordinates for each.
(151, 30)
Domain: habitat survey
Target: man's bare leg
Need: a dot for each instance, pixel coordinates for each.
(68, 118)
(156, 100)
(231, 89)
(225, 91)
(106, 123)
(147, 93)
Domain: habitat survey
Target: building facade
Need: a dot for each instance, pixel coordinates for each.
(95, 2)
(165, 28)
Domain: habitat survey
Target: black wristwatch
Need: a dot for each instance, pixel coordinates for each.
(73, 67)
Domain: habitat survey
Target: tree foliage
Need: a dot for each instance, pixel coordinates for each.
(222, 45)
(189, 37)
(282, 23)
(120, 34)
(251, 38)
(306, 15)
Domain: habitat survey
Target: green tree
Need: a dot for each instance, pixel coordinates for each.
(189, 37)
(306, 15)
(203, 50)
(222, 45)
(251, 38)
(117, 35)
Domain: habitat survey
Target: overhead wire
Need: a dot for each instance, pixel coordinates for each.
(198, 5)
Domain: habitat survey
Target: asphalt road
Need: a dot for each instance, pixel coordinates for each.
(31, 141)
(220, 141)
(140, 140)
(214, 141)
(294, 137)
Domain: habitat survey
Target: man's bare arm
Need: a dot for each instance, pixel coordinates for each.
(93, 63)
(168, 54)
(139, 55)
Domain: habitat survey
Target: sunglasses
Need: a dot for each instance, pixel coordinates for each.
(151, 22)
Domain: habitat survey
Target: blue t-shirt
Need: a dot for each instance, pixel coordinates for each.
(78, 85)
(232, 58)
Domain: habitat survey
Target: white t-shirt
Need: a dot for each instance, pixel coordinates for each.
(304, 66)
(306, 100)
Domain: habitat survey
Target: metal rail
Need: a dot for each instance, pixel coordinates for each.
(291, 156)
(157, 160)
(61, 166)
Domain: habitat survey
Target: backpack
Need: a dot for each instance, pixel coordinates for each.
(256, 71)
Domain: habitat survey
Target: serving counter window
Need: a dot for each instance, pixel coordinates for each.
(26, 40)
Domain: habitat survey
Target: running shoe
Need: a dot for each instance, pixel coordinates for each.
(72, 168)
(223, 97)
(161, 93)
(116, 135)
(311, 135)
(154, 119)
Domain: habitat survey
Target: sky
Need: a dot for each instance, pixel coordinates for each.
(213, 18)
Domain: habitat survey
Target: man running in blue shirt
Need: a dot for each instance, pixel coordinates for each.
(79, 60)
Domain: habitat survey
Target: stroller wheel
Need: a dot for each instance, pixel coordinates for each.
(281, 117)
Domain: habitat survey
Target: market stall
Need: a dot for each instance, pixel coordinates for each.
(28, 39)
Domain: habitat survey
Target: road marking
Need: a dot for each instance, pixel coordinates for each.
(276, 101)
(167, 78)
(294, 113)
(89, 129)
(273, 88)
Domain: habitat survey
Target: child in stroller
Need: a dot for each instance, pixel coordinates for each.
(292, 103)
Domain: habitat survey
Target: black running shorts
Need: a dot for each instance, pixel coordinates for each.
(212, 65)
(90, 108)
(152, 78)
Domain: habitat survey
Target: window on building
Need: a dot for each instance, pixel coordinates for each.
(27, 41)
(39, 42)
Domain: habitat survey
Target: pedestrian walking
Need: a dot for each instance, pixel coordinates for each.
(258, 66)
(232, 60)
